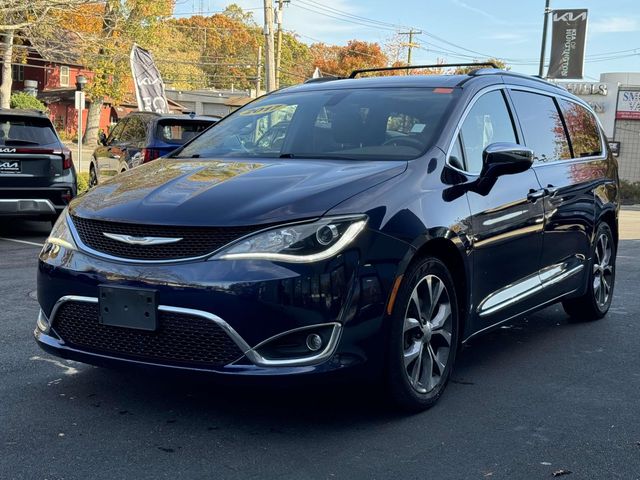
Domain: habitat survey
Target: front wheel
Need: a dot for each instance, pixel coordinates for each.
(595, 303)
(424, 335)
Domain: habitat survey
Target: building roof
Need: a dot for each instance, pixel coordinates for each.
(65, 49)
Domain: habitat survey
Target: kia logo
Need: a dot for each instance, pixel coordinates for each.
(7, 150)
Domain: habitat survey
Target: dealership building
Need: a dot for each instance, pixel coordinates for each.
(616, 101)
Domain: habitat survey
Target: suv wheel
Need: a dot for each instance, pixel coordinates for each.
(424, 335)
(595, 303)
(93, 177)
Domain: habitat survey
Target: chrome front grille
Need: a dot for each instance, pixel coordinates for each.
(195, 241)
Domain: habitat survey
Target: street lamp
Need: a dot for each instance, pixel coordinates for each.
(81, 81)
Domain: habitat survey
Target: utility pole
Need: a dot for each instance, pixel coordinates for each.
(279, 13)
(410, 45)
(258, 71)
(270, 63)
(543, 47)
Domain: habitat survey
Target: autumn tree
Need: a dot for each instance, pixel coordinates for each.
(21, 15)
(497, 62)
(108, 30)
(342, 60)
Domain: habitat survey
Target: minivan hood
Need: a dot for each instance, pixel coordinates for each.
(223, 193)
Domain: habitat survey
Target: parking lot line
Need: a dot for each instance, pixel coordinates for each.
(26, 242)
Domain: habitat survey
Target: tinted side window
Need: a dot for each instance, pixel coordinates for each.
(135, 131)
(583, 129)
(541, 126)
(488, 122)
(116, 133)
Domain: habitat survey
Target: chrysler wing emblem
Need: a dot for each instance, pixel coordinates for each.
(130, 239)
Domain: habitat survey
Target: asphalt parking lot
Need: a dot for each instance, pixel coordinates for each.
(533, 398)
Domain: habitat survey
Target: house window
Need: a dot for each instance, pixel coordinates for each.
(18, 73)
(64, 76)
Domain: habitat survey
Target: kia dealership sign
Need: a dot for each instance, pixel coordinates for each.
(569, 34)
(628, 105)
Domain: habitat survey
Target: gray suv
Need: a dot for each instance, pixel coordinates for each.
(37, 176)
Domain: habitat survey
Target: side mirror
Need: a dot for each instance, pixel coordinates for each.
(102, 139)
(504, 158)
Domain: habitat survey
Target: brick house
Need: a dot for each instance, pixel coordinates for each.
(55, 66)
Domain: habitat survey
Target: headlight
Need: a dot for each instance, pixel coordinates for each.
(301, 243)
(60, 236)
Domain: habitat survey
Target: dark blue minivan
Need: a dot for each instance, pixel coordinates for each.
(141, 137)
(367, 226)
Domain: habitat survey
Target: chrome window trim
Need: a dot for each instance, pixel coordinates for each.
(244, 347)
(510, 86)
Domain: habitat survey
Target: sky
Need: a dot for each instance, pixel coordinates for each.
(459, 30)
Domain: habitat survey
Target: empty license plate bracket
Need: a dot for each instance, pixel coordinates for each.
(128, 307)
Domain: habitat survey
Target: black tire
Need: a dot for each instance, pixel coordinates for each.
(413, 395)
(592, 305)
(93, 177)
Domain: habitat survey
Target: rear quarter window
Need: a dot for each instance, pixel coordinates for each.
(16, 131)
(583, 129)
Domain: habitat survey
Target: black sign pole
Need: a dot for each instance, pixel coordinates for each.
(543, 47)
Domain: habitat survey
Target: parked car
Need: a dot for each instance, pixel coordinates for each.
(37, 176)
(397, 218)
(141, 137)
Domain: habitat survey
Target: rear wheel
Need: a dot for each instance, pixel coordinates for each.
(93, 177)
(424, 335)
(595, 303)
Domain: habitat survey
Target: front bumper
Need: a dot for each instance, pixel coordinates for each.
(254, 302)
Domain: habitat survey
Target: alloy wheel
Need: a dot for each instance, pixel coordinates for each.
(427, 334)
(602, 271)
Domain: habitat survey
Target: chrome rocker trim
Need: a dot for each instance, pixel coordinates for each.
(247, 351)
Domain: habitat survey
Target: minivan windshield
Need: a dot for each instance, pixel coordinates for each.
(352, 124)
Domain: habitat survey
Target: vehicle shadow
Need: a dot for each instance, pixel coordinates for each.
(18, 227)
(326, 405)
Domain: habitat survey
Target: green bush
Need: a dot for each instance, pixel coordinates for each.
(83, 182)
(27, 102)
(629, 192)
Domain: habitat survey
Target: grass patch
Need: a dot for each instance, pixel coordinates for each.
(83, 182)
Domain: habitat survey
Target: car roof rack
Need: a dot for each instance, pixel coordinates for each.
(322, 79)
(355, 73)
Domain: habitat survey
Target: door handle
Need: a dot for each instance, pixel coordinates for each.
(535, 195)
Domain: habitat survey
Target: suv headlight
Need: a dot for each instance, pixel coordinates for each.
(297, 243)
(60, 236)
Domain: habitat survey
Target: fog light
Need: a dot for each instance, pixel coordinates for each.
(314, 342)
(43, 322)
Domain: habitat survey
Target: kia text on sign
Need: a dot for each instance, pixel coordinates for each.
(149, 86)
(567, 43)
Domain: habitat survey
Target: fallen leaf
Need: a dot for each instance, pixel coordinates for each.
(559, 473)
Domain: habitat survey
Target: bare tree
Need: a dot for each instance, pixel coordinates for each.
(17, 15)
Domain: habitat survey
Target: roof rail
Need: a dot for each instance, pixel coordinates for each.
(507, 73)
(355, 73)
(322, 79)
